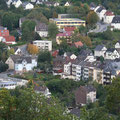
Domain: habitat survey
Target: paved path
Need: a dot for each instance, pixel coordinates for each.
(101, 27)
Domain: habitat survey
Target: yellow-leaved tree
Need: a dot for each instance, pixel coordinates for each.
(32, 49)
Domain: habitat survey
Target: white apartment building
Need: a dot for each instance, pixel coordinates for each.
(43, 44)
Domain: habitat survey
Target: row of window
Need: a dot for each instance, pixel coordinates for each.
(70, 22)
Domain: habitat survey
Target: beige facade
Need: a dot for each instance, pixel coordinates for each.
(10, 63)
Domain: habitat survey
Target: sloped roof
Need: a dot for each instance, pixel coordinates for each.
(100, 9)
(116, 19)
(78, 44)
(41, 27)
(109, 13)
(65, 34)
(99, 47)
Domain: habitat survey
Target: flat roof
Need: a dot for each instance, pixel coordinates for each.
(67, 19)
(42, 41)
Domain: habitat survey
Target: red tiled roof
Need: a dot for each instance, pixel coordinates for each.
(78, 44)
(69, 28)
(55, 53)
(109, 13)
(64, 34)
(9, 38)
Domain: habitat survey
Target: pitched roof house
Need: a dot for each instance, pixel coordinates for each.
(115, 23)
(78, 44)
(64, 35)
(100, 50)
(27, 5)
(108, 17)
(21, 63)
(85, 95)
(42, 29)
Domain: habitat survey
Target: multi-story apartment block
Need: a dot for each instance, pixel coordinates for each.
(43, 44)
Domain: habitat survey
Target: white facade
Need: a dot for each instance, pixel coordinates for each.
(91, 97)
(115, 26)
(24, 66)
(78, 72)
(42, 33)
(18, 52)
(117, 45)
(100, 52)
(112, 55)
(29, 6)
(43, 44)
(8, 84)
(101, 14)
(108, 19)
(17, 3)
(67, 4)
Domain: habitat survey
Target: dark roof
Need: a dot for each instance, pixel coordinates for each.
(41, 27)
(75, 111)
(99, 47)
(116, 19)
(100, 9)
(110, 50)
(19, 59)
(89, 88)
(40, 88)
(85, 52)
(93, 5)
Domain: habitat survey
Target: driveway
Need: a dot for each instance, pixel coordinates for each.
(101, 27)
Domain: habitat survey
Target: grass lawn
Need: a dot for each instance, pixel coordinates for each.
(37, 76)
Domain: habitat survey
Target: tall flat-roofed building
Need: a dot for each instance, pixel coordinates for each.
(63, 21)
(43, 44)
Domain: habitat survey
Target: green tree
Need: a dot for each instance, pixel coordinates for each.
(92, 19)
(113, 97)
(52, 30)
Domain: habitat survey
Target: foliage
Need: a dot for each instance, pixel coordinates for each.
(26, 104)
(113, 97)
(32, 49)
(3, 67)
(28, 30)
(92, 19)
(10, 20)
(52, 30)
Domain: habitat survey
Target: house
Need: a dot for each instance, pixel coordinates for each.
(65, 35)
(27, 5)
(17, 51)
(69, 55)
(17, 3)
(4, 31)
(64, 20)
(78, 44)
(111, 70)
(100, 10)
(42, 29)
(43, 44)
(41, 89)
(108, 17)
(115, 23)
(5, 37)
(92, 6)
(9, 40)
(112, 54)
(85, 95)
(100, 50)
(117, 45)
(21, 63)
(58, 65)
(67, 4)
